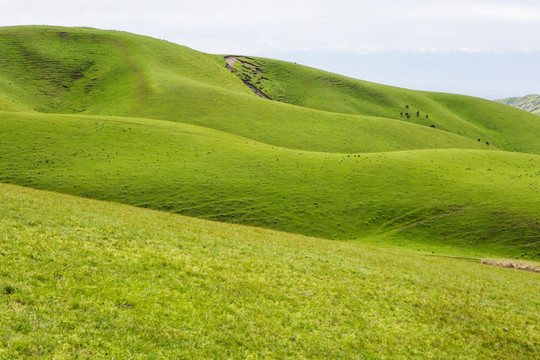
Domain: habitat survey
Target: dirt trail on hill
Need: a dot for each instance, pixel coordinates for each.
(231, 60)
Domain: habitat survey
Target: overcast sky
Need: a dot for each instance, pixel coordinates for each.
(267, 27)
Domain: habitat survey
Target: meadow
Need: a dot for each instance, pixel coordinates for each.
(88, 279)
(126, 118)
(418, 199)
(154, 206)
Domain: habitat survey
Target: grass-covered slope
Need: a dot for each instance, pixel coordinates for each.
(88, 279)
(112, 73)
(116, 116)
(471, 201)
(474, 118)
(530, 103)
(73, 70)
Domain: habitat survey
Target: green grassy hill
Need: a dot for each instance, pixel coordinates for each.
(530, 103)
(88, 279)
(121, 117)
(65, 70)
(470, 117)
(480, 202)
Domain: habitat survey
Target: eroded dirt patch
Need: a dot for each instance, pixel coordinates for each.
(512, 265)
(231, 60)
(249, 71)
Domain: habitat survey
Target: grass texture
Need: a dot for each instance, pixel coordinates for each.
(87, 279)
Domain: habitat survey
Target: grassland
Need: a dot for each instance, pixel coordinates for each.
(85, 71)
(473, 118)
(106, 115)
(201, 172)
(87, 279)
(131, 119)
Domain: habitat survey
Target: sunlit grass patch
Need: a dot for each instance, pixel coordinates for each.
(93, 279)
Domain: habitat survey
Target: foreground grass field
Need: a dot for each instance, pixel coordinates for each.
(89, 279)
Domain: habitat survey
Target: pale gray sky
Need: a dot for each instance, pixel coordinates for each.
(349, 26)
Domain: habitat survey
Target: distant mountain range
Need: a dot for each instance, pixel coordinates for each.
(530, 103)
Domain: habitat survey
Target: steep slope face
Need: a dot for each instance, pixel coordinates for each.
(79, 70)
(57, 71)
(530, 103)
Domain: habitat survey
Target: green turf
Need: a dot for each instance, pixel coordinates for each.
(121, 117)
(88, 279)
(463, 115)
(75, 70)
(491, 197)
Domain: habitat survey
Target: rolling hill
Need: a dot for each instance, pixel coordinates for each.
(81, 278)
(131, 119)
(530, 103)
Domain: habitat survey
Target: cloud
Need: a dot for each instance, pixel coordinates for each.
(470, 11)
(357, 26)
